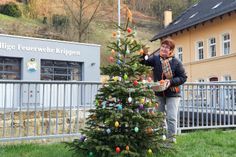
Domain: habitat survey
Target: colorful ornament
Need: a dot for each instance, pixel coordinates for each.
(141, 107)
(96, 102)
(113, 52)
(135, 65)
(115, 78)
(135, 83)
(146, 57)
(156, 106)
(142, 101)
(119, 55)
(127, 51)
(111, 59)
(149, 104)
(125, 77)
(108, 131)
(149, 79)
(82, 138)
(141, 52)
(129, 30)
(149, 130)
(149, 151)
(90, 154)
(136, 129)
(117, 149)
(117, 124)
(118, 61)
(127, 148)
(144, 81)
(130, 99)
(163, 137)
(119, 107)
(114, 34)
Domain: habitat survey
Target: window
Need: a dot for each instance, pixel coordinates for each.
(180, 53)
(200, 50)
(212, 47)
(227, 78)
(60, 70)
(212, 79)
(226, 44)
(10, 68)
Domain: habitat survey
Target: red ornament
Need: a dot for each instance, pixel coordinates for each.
(135, 83)
(129, 30)
(117, 149)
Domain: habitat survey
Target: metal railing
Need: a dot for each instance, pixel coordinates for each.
(207, 105)
(44, 109)
(58, 109)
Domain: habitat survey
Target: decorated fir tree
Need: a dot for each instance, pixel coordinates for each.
(124, 122)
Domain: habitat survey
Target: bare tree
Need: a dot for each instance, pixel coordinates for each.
(82, 13)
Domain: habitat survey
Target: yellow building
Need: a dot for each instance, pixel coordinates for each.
(205, 36)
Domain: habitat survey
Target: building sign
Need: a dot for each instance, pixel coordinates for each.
(47, 49)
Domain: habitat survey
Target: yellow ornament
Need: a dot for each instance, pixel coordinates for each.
(150, 104)
(142, 100)
(149, 151)
(117, 124)
(115, 78)
(113, 52)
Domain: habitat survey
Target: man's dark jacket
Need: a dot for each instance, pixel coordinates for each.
(179, 75)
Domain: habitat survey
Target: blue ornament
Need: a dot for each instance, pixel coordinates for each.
(82, 138)
(119, 107)
(108, 131)
(118, 61)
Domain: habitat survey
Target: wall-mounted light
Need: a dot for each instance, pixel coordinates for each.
(92, 64)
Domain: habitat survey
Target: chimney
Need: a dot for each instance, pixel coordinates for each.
(167, 17)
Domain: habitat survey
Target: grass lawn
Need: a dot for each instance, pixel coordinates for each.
(215, 143)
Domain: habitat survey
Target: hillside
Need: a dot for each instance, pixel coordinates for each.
(99, 31)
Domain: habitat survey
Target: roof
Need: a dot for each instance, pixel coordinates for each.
(198, 13)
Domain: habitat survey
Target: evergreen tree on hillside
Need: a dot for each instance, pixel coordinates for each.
(124, 122)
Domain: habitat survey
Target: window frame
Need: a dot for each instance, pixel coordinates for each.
(69, 66)
(198, 50)
(5, 73)
(226, 41)
(180, 53)
(210, 52)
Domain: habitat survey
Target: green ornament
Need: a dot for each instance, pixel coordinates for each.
(127, 51)
(96, 102)
(135, 65)
(136, 129)
(90, 154)
(125, 77)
